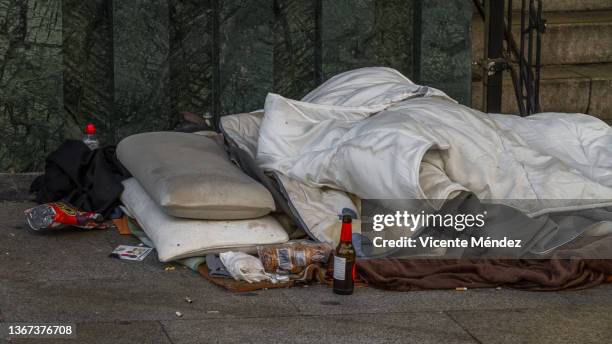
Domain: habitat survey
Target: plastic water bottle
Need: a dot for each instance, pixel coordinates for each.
(208, 120)
(90, 138)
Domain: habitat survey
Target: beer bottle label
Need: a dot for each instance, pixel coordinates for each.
(339, 268)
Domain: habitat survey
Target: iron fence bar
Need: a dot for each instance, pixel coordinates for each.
(508, 28)
(494, 37)
(517, 90)
(522, 53)
(540, 29)
(527, 87)
(530, 57)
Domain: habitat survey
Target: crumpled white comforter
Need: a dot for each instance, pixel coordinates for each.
(374, 133)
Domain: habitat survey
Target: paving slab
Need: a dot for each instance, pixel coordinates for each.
(64, 254)
(133, 299)
(67, 277)
(599, 298)
(321, 300)
(518, 326)
(382, 328)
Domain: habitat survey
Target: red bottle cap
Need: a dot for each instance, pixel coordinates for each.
(90, 129)
(346, 231)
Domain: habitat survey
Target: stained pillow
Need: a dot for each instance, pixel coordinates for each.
(176, 238)
(191, 176)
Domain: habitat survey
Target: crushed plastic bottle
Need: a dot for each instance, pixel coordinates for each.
(59, 215)
(90, 138)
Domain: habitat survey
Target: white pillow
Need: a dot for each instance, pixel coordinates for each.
(177, 238)
(243, 129)
(190, 176)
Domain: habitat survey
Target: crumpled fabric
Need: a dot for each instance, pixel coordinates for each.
(87, 179)
(576, 266)
(375, 134)
(244, 267)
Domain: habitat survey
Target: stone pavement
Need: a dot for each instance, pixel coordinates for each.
(68, 277)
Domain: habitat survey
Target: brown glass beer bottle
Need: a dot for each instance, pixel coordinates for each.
(344, 260)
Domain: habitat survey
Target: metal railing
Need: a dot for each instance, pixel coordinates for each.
(523, 62)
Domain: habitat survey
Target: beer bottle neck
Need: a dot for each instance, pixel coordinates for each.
(346, 233)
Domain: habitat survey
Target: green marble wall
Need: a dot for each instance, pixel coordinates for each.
(141, 49)
(295, 46)
(191, 56)
(362, 33)
(246, 47)
(444, 47)
(31, 119)
(133, 65)
(87, 51)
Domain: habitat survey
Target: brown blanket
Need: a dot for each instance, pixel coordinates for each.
(575, 266)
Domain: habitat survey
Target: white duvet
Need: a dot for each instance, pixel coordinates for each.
(374, 133)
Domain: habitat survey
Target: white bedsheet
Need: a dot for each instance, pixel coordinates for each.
(375, 134)
(318, 208)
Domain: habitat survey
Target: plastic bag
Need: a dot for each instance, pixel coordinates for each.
(59, 215)
(245, 267)
(293, 256)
